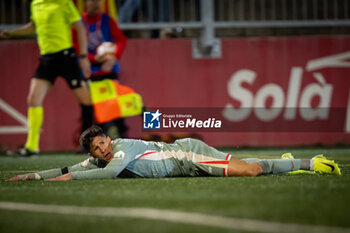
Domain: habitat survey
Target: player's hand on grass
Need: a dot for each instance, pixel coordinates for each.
(20, 177)
(67, 176)
(29, 176)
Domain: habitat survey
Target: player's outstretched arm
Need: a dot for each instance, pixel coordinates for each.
(111, 171)
(67, 176)
(52, 173)
(56, 172)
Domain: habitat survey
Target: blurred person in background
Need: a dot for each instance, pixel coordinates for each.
(157, 11)
(52, 22)
(127, 10)
(106, 44)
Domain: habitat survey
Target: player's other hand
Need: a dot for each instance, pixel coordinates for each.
(67, 176)
(85, 67)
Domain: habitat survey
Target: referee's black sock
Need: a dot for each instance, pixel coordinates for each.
(87, 116)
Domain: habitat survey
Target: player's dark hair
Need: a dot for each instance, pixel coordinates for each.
(88, 136)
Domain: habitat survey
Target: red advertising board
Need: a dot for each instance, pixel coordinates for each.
(269, 91)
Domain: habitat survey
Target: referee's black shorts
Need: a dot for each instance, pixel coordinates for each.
(64, 64)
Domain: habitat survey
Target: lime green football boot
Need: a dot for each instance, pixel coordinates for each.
(287, 155)
(319, 156)
(325, 166)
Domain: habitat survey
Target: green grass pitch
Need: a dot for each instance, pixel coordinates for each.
(301, 199)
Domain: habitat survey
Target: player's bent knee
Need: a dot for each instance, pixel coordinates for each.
(252, 172)
(255, 169)
(242, 168)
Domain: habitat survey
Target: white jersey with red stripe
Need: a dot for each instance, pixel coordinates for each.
(184, 157)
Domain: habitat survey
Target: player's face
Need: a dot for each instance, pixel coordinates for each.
(93, 6)
(102, 148)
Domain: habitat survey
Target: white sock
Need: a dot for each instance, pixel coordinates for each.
(312, 164)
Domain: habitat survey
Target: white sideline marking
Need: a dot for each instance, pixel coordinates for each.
(175, 216)
(17, 116)
(347, 120)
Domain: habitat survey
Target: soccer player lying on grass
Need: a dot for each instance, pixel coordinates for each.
(128, 158)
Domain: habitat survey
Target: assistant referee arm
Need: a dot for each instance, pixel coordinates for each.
(28, 29)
